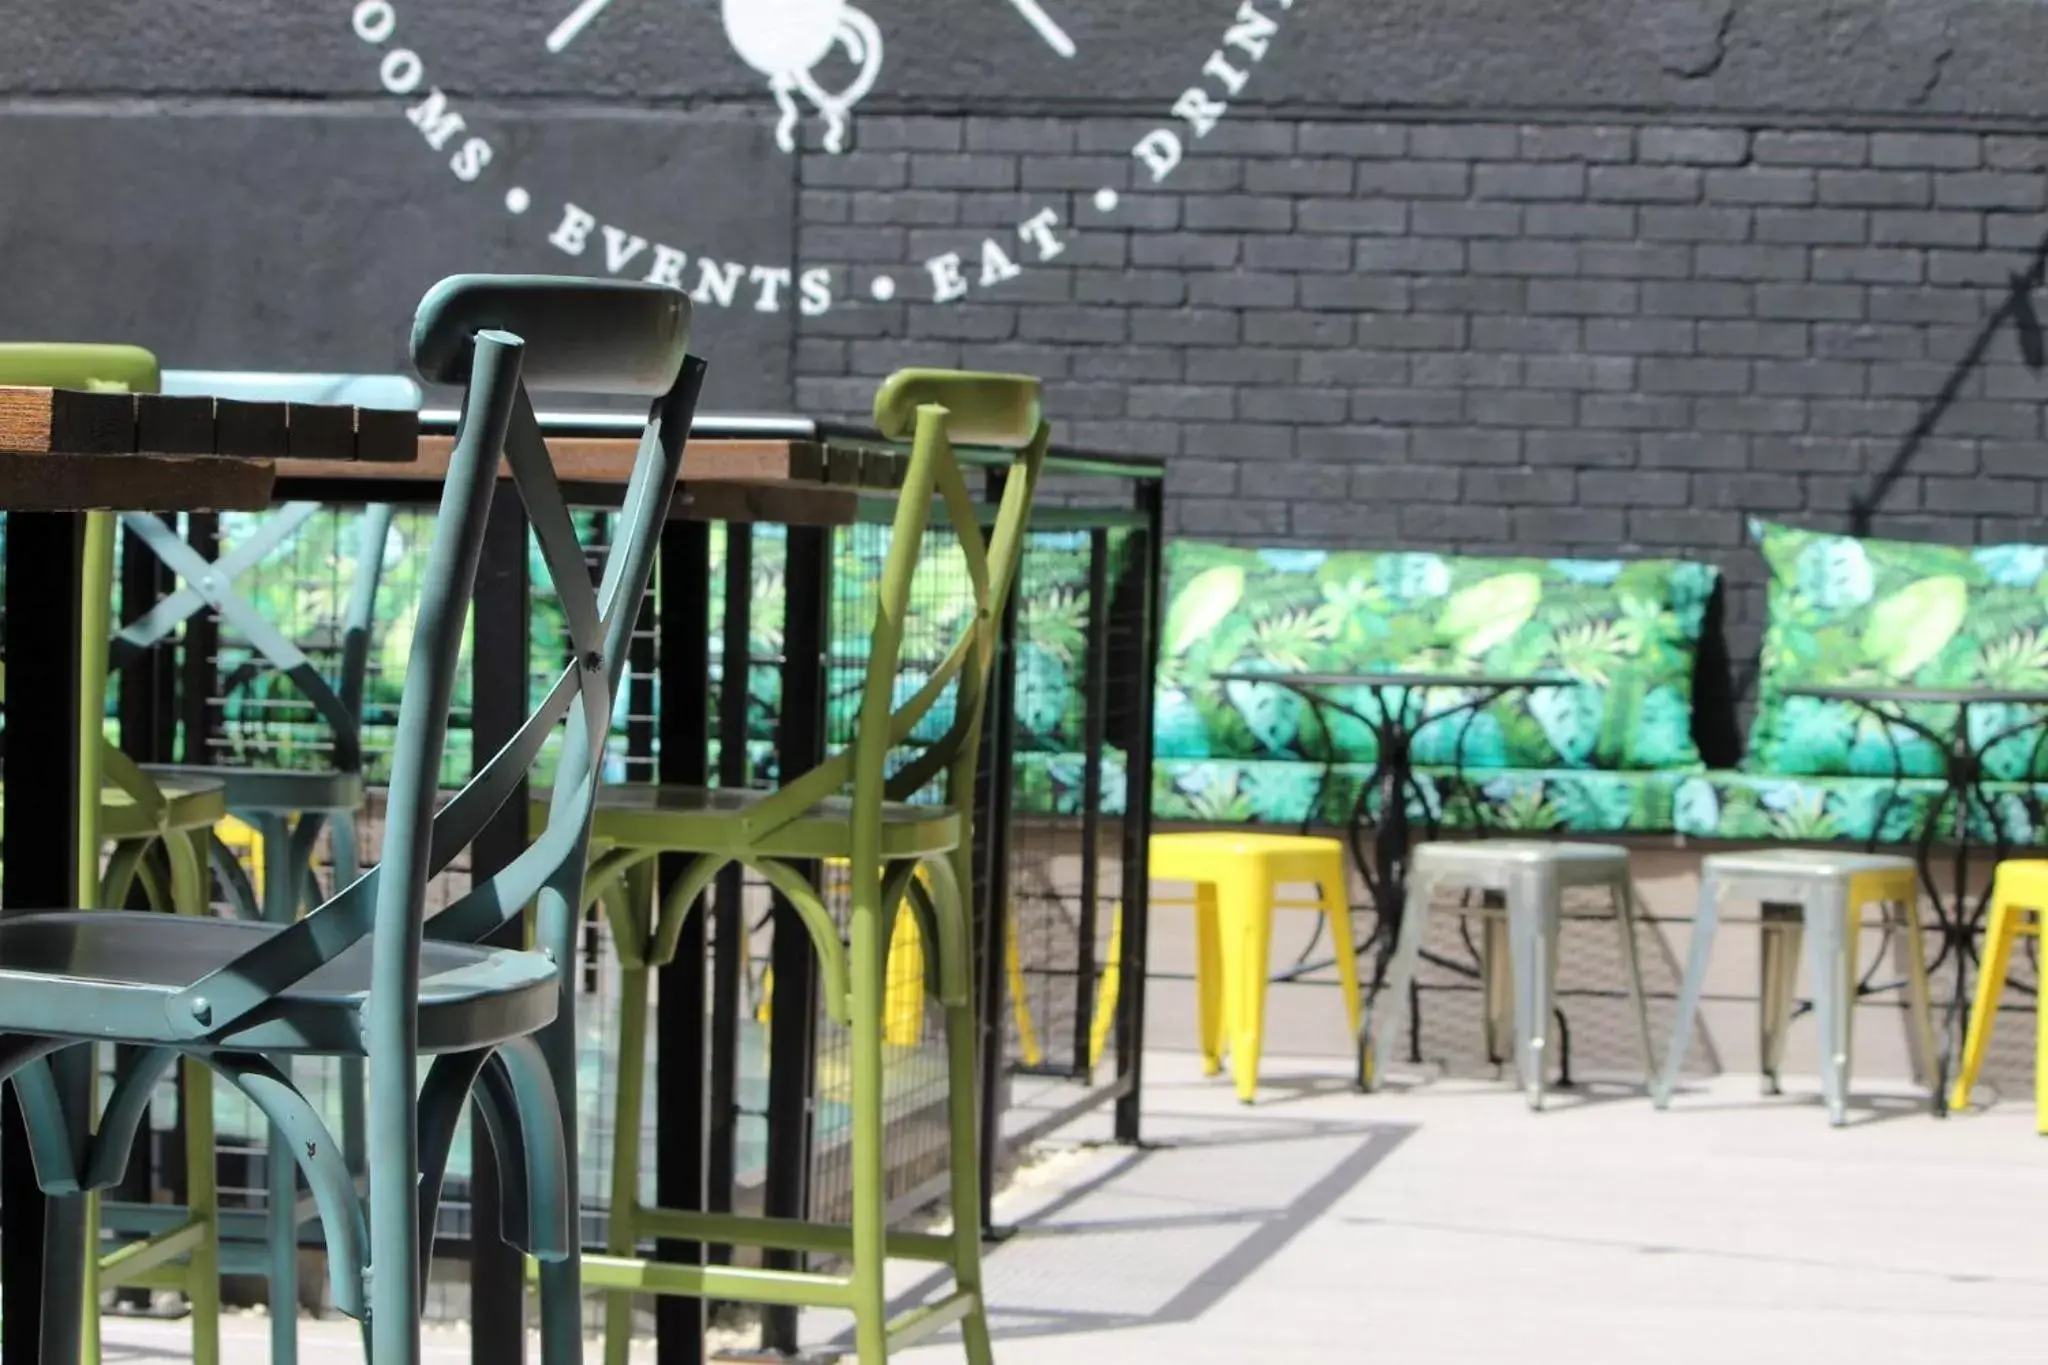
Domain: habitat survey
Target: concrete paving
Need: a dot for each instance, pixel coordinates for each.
(1442, 1222)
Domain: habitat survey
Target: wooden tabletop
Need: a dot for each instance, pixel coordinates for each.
(793, 481)
(66, 450)
(62, 449)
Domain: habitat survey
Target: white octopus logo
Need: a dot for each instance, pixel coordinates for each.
(786, 40)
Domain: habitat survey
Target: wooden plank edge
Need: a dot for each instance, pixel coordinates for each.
(131, 483)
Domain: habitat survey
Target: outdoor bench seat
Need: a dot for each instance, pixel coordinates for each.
(1602, 753)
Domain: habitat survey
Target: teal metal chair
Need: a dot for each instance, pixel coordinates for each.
(365, 974)
(892, 809)
(133, 827)
(288, 808)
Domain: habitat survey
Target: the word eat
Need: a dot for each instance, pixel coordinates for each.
(948, 272)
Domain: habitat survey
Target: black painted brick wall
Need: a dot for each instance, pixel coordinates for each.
(1553, 339)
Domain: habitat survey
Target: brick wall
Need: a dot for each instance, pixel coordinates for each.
(1556, 339)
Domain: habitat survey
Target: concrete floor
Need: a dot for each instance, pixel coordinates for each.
(1444, 1223)
(1441, 1222)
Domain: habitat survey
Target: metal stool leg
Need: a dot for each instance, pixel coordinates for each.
(1697, 956)
(1534, 911)
(1632, 963)
(1497, 985)
(1999, 936)
(1834, 969)
(1911, 944)
(1783, 934)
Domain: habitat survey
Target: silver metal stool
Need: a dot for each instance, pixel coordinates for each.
(1531, 878)
(1820, 892)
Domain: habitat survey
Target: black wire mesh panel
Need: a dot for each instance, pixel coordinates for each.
(1073, 721)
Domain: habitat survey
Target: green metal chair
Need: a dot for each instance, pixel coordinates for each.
(288, 808)
(142, 819)
(884, 840)
(364, 974)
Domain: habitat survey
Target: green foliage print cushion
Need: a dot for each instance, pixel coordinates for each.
(1628, 632)
(1845, 611)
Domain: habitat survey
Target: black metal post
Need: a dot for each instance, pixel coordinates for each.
(498, 669)
(1095, 706)
(201, 677)
(148, 693)
(685, 608)
(149, 684)
(793, 1033)
(1130, 1024)
(37, 846)
(729, 935)
(641, 695)
(991, 899)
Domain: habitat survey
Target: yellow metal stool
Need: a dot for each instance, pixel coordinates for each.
(1237, 879)
(2019, 907)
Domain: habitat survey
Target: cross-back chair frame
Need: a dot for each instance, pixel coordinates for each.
(614, 338)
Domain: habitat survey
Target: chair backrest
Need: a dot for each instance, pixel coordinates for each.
(78, 365)
(582, 336)
(571, 321)
(931, 413)
(210, 584)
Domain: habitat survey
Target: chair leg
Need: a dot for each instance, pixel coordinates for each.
(343, 835)
(391, 1330)
(1698, 954)
(89, 1293)
(280, 906)
(1999, 934)
(1783, 933)
(1632, 963)
(865, 967)
(963, 1121)
(557, 922)
(1210, 986)
(622, 1235)
(188, 859)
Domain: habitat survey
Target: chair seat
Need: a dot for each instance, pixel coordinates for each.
(1489, 863)
(718, 819)
(1798, 876)
(110, 975)
(189, 803)
(272, 791)
(1272, 857)
(1805, 862)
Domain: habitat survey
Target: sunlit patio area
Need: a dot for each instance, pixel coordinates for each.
(1437, 1222)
